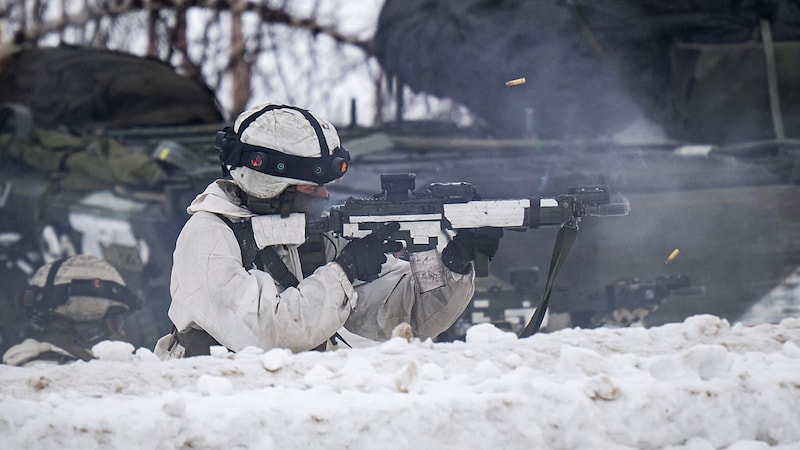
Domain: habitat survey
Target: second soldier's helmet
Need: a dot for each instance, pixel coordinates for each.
(81, 288)
(271, 147)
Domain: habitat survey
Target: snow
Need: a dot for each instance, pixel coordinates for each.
(701, 384)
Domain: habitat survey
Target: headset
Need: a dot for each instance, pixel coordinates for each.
(324, 169)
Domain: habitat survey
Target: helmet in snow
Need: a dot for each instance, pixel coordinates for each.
(271, 147)
(83, 289)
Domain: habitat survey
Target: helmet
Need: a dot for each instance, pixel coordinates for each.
(81, 288)
(272, 147)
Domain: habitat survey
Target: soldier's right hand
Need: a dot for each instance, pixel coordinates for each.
(362, 258)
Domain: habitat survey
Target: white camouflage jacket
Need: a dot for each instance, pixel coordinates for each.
(212, 291)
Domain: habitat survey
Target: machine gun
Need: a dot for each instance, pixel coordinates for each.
(452, 206)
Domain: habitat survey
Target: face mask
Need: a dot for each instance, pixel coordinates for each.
(290, 201)
(91, 332)
(110, 327)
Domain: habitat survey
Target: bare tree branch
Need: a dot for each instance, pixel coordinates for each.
(241, 62)
(114, 8)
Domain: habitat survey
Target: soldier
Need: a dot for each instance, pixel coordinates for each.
(245, 274)
(72, 304)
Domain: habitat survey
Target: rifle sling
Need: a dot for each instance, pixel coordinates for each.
(564, 240)
(266, 257)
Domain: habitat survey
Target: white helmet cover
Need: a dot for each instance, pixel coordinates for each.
(285, 130)
(83, 268)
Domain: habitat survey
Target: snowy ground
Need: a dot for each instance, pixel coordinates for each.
(702, 384)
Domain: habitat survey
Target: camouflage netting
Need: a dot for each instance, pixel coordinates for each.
(85, 89)
(593, 65)
(81, 163)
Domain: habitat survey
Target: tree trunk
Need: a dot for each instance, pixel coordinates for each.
(152, 35)
(239, 68)
(179, 40)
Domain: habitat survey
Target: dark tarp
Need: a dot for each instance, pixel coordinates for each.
(591, 65)
(85, 89)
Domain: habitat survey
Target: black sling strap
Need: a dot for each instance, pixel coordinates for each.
(276, 267)
(312, 254)
(266, 256)
(50, 282)
(564, 240)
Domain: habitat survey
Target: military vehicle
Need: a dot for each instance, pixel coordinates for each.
(713, 196)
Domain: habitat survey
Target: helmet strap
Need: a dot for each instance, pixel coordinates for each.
(323, 143)
(37, 301)
(330, 165)
(288, 197)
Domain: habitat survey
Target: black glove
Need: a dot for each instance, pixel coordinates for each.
(363, 258)
(460, 252)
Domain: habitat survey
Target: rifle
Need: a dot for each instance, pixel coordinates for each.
(453, 206)
(456, 205)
